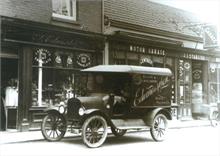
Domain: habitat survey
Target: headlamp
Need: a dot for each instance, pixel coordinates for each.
(81, 111)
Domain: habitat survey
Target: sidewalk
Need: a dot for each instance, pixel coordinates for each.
(14, 136)
(176, 124)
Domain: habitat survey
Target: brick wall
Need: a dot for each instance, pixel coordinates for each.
(34, 10)
(89, 13)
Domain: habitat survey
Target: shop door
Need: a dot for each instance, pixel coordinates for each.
(184, 89)
(9, 93)
(199, 87)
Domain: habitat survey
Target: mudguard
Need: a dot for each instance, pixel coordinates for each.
(52, 110)
(90, 112)
(148, 119)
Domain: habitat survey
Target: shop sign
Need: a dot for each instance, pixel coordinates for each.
(197, 74)
(142, 49)
(210, 36)
(187, 65)
(42, 55)
(156, 51)
(65, 40)
(197, 67)
(181, 68)
(58, 59)
(194, 56)
(83, 60)
(146, 60)
(69, 61)
(214, 66)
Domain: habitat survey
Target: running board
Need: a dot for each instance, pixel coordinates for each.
(129, 123)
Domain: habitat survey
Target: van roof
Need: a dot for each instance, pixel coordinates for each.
(129, 69)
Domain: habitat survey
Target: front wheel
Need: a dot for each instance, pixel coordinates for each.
(159, 127)
(118, 132)
(53, 127)
(94, 131)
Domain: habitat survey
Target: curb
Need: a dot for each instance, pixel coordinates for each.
(31, 136)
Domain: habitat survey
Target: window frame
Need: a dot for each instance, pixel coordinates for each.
(66, 18)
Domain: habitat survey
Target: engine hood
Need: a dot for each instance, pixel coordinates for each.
(93, 101)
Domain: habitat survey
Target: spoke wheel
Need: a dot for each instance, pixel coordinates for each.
(53, 127)
(159, 128)
(118, 132)
(214, 119)
(94, 131)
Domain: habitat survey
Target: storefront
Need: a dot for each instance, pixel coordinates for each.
(194, 72)
(214, 83)
(41, 64)
(9, 87)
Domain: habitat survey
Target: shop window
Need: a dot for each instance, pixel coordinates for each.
(55, 76)
(119, 58)
(158, 61)
(64, 9)
(56, 86)
(132, 59)
(119, 61)
(214, 83)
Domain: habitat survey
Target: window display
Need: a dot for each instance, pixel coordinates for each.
(214, 83)
(55, 76)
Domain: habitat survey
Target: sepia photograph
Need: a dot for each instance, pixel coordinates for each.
(110, 77)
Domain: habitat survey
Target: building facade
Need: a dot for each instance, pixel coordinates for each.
(44, 43)
(43, 46)
(151, 34)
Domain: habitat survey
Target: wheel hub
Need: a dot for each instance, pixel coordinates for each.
(54, 127)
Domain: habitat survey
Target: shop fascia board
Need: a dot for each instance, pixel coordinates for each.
(185, 43)
(154, 31)
(165, 45)
(42, 28)
(146, 38)
(31, 25)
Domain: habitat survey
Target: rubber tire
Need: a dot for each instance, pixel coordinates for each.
(214, 119)
(105, 132)
(43, 127)
(152, 129)
(118, 134)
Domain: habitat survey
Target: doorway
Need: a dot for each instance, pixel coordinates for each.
(9, 93)
(185, 87)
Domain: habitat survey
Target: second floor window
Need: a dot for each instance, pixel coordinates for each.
(64, 9)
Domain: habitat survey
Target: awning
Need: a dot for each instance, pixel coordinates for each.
(146, 38)
(129, 69)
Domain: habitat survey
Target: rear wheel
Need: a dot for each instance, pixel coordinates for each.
(94, 131)
(214, 119)
(159, 128)
(53, 127)
(118, 132)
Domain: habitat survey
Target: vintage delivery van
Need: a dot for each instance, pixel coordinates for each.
(117, 97)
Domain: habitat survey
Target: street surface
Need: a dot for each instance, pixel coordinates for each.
(197, 141)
